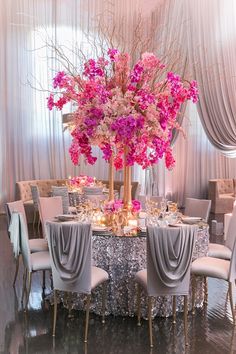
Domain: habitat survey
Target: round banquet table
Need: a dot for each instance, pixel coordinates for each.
(122, 257)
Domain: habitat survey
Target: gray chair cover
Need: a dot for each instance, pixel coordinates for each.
(62, 191)
(19, 238)
(154, 198)
(231, 232)
(169, 256)
(198, 207)
(225, 251)
(14, 232)
(49, 207)
(15, 206)
(93, 190)
(35, 196)
(12, 210)
(70, 249)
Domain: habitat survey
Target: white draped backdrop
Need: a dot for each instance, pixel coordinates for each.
(197, 38)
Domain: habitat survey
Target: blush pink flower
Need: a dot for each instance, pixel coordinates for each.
(119, 107)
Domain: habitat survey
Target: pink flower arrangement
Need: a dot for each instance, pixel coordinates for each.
(81, 181)
(119, 107)
(115, 206)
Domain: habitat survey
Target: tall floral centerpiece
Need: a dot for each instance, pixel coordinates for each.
(128, 112)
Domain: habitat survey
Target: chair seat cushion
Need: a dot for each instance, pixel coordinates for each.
(219, 251)
(141, 278)
(40, 261)
(211, 267)
(38, 245)
(226, 196)
(98, 276)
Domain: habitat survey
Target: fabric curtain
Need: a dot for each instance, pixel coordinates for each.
(197, 161)
(32, 142)
(212, 59)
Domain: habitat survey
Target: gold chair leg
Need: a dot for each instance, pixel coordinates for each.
(205, 291)
(193, 293)
(87, 318)
(139, 304)
(186, 319)
(54, 313)
(231, 301)
(226, 299)
(103, 301)
(150, 319)
(34, 220)
(29, 288)
(16, 270)
(174, 309)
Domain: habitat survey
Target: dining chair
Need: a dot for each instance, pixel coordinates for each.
(35, 244)
(38, 261)
(154, 198)
(216, 268)
(70, 246)
(225, 251)
(92, 190)
(49, 207)
(96, 198)
(198, 207)
(35, 196)
(62, 191)
(169, 256)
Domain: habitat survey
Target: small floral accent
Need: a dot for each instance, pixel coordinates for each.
(115, 206)
(81, 181)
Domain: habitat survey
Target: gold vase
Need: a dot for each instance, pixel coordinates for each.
(111, 178)
(127, 199)
(127, 184)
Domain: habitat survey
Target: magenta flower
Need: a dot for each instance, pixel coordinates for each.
(122, 108)
(50, 102)
(115, 206)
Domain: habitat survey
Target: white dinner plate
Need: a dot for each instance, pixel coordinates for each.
(99, 228)
(191, 219)
(65, 217)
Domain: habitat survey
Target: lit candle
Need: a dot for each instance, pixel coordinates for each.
(133, 222)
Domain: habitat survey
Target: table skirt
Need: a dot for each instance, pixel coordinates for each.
(122, 257)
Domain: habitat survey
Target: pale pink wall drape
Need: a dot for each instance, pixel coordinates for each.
(212, 59)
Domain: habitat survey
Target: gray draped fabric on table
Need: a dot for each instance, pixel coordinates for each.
(70, 249)
(169, 254)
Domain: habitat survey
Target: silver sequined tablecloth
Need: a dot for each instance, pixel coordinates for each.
(122, 257)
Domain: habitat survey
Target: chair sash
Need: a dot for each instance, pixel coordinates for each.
(169, 255)
(70, 249)
(19, 238)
